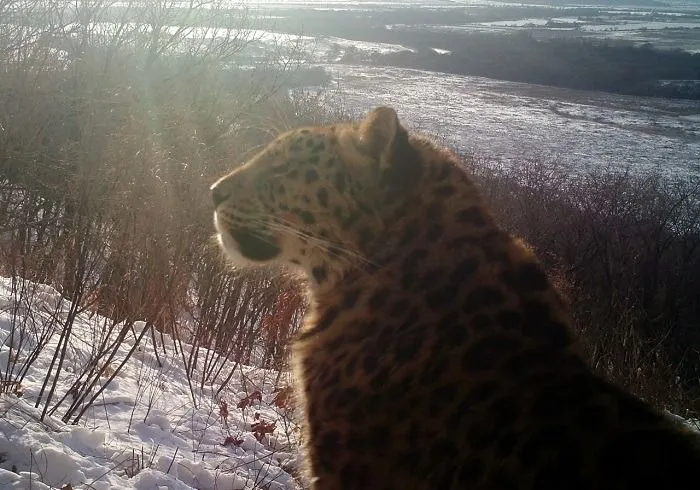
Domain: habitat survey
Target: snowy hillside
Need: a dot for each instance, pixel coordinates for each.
(143, 431)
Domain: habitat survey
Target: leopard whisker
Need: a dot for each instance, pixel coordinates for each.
(343, 254)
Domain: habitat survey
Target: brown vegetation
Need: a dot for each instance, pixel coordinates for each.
(110, 138)
(624, 248)
(110, 135)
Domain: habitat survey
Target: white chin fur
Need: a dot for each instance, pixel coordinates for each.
(228, 244)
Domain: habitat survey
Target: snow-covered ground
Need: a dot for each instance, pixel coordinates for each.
(513, 122)
(143, 432)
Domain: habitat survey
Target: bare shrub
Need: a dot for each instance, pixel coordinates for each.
(624, 247)
(115, 117)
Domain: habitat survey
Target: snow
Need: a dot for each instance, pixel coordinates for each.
(371, 47)
(145, 431)
(513, 123)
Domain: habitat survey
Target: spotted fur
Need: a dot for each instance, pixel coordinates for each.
(437, 354)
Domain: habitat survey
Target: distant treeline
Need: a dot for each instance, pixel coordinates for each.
(570, 63)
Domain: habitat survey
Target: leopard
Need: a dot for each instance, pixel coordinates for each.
(435, 352)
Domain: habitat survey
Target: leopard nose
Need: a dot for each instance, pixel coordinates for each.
(218, 194)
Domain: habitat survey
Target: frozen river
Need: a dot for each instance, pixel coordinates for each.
(512, 122)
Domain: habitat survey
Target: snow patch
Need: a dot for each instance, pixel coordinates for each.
(145, 430)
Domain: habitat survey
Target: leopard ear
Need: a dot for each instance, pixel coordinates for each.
(378, 132)
(396, 166)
